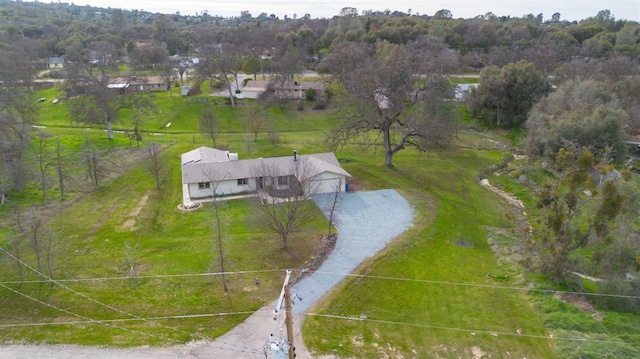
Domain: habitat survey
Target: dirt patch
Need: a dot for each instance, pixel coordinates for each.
(477, 352)
(512, 200)
(141, 204)
(326, 247)
(577, 301)
(130, 223)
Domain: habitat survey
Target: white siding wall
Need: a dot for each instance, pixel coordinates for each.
(323, 183)
(326, 182)
(227, 187)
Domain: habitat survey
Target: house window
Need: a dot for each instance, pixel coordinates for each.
(242, 181)
(283, 180)
(204, 185)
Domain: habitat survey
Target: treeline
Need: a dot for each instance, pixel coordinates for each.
(482, 41)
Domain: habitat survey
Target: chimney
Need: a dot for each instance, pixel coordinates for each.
(295, 155)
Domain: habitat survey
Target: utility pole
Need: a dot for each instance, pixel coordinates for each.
(284, 349)
(289, 320)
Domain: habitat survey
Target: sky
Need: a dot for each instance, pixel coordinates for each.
(568, 9)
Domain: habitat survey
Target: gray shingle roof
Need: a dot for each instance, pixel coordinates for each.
(206, 164)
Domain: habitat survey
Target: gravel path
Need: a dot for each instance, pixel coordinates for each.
(367, 221)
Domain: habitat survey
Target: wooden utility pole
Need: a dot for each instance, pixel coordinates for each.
(288, 319)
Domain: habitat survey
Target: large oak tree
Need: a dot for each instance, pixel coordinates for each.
(396, 96)
(96, 95)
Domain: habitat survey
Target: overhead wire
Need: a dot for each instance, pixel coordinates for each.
(439, 282)
(479, 285)
(134, 317)
(483, 331)
(152, 276)
(84, 316)
(108, 306)
(365, 276)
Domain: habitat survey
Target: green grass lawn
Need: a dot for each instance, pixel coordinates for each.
(126, 246)
(175, 114)
(411, 307)
(100, 236)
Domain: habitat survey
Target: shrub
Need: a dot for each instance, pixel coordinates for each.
(310, 94)
(320, 104)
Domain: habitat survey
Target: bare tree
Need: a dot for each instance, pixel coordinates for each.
(14, 144)
(131, 252)
(181, 64)
(209, 124)
(221, 62)
(333, 205)
(37, 229)
(16, 240)
(61, 168)
(93, 161)
(274, 138)
(214, 181)
(282, 205)
(249, 145)
(255, 120)
(153, 161)
(18, 109)
(396, 95)
(43, 161)
(96, 97)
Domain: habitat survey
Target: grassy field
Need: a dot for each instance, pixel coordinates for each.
(419, 297)
(134, 266)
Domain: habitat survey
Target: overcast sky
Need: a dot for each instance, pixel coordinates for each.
(568, 9)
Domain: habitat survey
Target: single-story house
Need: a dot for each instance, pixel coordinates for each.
(55, 62)
(297, 89)
(599, 178)
(292, 90)
(462, 91)
(209, 172)
(140, 84)
(254, 89)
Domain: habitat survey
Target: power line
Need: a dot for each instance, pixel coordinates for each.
(134, 317)
(108, 306)
(428, 281)
(187, 316)
(88, 319)
(491, 332)
(479, 285)
(341, 317)
(154, 276)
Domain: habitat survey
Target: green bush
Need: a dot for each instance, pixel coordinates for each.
(320, 104)
(310, 94)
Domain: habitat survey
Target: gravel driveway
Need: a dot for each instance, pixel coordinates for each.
(367, 221)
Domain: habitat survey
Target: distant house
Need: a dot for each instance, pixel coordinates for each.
(599, 178)
(292, 90)
(297, 89)
(208, 172)
(462, 91)
(140, 84)
(255, 89)
(55, 63)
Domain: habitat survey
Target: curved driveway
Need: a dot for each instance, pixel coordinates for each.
(367, 221)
